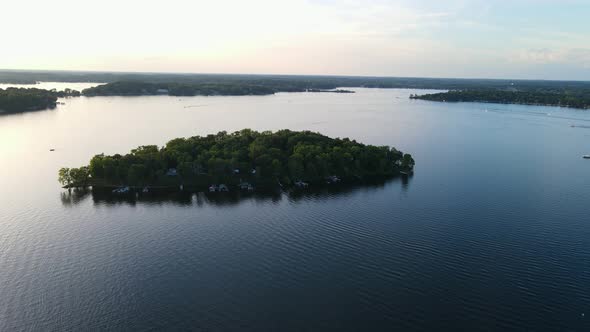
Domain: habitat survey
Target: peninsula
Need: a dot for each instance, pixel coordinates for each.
(16, 100)
(136, 88)
(547, 97)
(243, 158)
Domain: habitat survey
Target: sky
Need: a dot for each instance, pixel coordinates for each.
(530, 39)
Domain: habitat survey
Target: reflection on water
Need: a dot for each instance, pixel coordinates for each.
(76, 196)
(22, 114)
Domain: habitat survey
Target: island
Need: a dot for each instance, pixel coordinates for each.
(16, 100)
(138, 88)
(330, 91)
(545, 97)
(244, 159)
(134, 88)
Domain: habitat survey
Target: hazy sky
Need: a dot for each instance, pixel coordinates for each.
(547, 39)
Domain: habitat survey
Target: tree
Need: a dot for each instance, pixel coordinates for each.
(296, 168)
(64, 177)
(276, 167)
(407, 161)
(136, 174)
(73, 177)
(79, 176)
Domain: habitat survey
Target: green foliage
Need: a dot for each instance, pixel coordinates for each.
(19, 100)
(63, 176)
(134, 88)
(407, 162)
(74, 177)
(14, 100)
(549, 97)
(245, 155)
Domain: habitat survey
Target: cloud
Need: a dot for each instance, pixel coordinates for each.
(580, 56)
(358, 37)
(572, 56)
(538, 56)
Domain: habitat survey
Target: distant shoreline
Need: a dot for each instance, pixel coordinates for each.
(580, 100)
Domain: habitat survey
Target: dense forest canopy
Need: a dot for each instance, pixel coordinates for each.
(132, 88)
(14, 100)
(261, 158)
(574, 99)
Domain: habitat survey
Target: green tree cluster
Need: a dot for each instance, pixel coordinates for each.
(13, 100)
(74, 177)
(259, 157)
(135, 88)
(548, 97)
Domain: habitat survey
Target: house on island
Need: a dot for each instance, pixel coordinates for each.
(218, 188)
(332, 179)
(246, 186)
(301, 184)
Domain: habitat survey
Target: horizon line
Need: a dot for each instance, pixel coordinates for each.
(289, 75)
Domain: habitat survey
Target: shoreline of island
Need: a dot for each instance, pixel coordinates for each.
(20, 100)
(530, 98)
(536, 93)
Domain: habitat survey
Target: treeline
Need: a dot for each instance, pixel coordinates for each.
(330, 91)
(574, 99)
(292, 82)
(14, 100)
(133, 88)
(261, 158)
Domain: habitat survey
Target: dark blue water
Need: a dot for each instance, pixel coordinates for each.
(491, 233)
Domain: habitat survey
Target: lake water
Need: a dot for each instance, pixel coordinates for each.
(491, 233)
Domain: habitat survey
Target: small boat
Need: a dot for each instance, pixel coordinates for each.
(246, 186)
(332, 179)
(586, 156)
(51, 150)
(122, 190)
(301, 184)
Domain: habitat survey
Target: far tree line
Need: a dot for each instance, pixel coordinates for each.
(571, 99)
